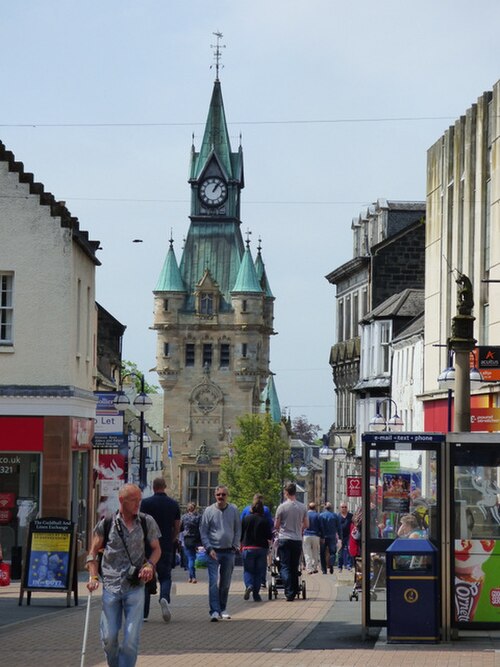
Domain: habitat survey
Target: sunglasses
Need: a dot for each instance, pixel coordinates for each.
(220, 495)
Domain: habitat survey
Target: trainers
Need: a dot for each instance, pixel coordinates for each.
(225, 615)
(214, 616)
(248, 591)
(165, 611)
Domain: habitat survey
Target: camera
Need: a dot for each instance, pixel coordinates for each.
(133, 575)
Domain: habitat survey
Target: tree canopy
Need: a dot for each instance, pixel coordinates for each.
(132, 368)
(305, 431)
(257, 462)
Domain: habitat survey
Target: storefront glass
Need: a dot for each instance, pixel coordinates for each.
(19, 497)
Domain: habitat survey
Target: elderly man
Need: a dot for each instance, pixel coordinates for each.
(125, 570)
(220, 531)
(291, 521)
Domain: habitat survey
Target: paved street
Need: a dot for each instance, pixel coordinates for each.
(48, 634)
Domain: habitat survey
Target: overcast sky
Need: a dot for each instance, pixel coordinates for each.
(337, 104)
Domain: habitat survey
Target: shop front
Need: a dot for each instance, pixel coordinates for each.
(44, 471)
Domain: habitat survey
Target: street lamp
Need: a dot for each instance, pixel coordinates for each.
(142, 402)
(326, 454)
(381, 423)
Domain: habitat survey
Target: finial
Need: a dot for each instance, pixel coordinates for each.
(217, 54)
(248, 238)
(259, 247)
(171, 240)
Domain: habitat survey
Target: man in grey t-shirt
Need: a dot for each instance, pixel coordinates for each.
(291, 521)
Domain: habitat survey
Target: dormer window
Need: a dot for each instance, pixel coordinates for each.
(206, 303)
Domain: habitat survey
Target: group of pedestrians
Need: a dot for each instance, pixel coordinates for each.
(326, 540)
(133, 553)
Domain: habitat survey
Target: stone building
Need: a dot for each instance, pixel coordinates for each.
(213, 313)
(388, 256)
(48, 329)
(462, 236)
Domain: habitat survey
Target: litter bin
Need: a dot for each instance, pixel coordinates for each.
(412, 592)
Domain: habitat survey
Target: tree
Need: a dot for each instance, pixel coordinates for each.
(131, 367)
(258, 461)
(305, 431)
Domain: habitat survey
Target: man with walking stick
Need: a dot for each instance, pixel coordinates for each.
(125, 570)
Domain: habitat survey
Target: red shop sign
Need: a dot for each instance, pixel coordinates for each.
(6, 517)
(7, 501)
(354, 487)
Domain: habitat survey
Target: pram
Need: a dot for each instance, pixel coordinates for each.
(276, 582)
(377, 576)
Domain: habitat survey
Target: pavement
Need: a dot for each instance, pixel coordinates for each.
(324, 629)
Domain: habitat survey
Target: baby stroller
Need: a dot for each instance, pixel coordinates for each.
(276, 582)
(377, 576)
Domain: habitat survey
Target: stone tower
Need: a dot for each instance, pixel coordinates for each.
(213, 314)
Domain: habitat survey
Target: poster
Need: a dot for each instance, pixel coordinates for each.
(477, 584)
(396, 492)
(49, 556)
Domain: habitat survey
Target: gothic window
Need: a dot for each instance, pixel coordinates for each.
(224, 355)
(206, 303)
(207, 354)
(201, 486)
(244, 305)
(165, 349)
(165, 304)
(6, 308)
(244, 349)
(190, 354)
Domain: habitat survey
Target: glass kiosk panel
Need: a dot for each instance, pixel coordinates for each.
(476, 535)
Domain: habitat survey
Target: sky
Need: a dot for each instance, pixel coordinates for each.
(336, 103)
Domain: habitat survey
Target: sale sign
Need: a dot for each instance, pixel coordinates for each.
(354, 487)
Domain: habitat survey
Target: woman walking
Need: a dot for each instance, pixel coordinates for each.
(256, 536)
(190, 527)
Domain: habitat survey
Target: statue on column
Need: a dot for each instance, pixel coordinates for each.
(465, 301)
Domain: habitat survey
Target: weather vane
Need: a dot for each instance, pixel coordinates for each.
(217, 54)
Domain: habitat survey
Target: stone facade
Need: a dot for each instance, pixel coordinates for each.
(213, 314)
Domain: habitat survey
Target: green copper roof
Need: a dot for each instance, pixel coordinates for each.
(262, 276)
(269, 392)
(215, 140)
(216, 246)
(247, 280)
(170, 279)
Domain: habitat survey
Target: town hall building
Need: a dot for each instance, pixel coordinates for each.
(213, 314)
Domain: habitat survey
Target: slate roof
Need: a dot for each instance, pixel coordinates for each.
(408, 303)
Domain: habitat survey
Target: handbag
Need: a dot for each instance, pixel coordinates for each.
(4, 574)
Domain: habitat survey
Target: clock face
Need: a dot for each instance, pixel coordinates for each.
(213, 191)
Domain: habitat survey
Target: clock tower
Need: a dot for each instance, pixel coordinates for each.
(213, 314)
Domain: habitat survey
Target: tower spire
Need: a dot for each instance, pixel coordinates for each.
(217, 53)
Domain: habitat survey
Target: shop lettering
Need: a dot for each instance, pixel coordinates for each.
(466, 598)
(105, 420)
(6, 470)
(8, 463)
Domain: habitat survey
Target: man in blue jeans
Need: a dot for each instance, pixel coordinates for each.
(330, 528)
(220, 530)
(123, 594)
(291, 521)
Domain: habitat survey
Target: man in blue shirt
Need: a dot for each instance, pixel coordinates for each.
(312, 537)
(330, 526)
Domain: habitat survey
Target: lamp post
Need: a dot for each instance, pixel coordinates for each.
(381, 423)
(447, 380)
(142, 402)
(326, 454)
